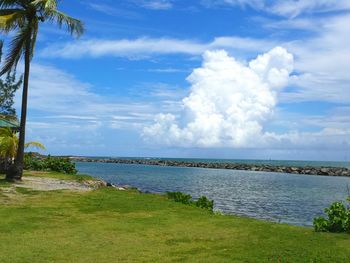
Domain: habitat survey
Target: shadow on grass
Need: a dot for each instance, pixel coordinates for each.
(3, 181)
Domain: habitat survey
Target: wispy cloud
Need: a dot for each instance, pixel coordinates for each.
(58, 95)
(144, 47)
(323, 61)
(113, 11)
(68, 116)
(155, 4)
(167, 70)
(288, 8)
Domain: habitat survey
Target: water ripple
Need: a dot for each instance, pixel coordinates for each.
(289, 198)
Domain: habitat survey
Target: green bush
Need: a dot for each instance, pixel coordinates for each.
(180, 197)
(55, 164)
(338, 219)
(205, 203)
(202, 202)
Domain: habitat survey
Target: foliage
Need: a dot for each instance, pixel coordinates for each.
(9, 145)
(24, 18)
(202, 202)
(55, 164)
(8, 88)
(338, 219)
(179, 197)
(205, 203)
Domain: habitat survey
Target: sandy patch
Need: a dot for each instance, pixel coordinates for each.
(50, 184)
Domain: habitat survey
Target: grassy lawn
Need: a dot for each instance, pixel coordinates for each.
(107, 225)
(77, 177)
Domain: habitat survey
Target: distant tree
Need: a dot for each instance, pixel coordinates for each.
(23, 17)
(8, 88)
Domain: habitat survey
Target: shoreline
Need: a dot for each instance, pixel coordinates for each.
(307, 170)
(121, 226)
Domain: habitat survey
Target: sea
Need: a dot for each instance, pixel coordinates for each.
(278, 197)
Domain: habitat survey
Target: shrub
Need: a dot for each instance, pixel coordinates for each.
(338, 219)
(202, 202)
(55, 164)
(180, 197)
(205, 203)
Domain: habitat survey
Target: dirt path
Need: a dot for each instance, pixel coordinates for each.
(50, 184)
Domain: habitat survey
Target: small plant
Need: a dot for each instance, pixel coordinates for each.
(338, 219)
(202, 202)
(205, 203)
(180, 197)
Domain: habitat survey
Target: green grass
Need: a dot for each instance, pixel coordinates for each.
(107, 225)
(74, 177)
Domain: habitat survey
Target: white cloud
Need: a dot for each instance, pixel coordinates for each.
(288, 8)
(323, 62)
(138, 48)
(61, 98)
(156, 4)
(144, 47)
(231, 104)
(293, 8)
(228, 102)
(112, 11)
(167, 70)
(242, 3)
(66, 115)
(322, 59)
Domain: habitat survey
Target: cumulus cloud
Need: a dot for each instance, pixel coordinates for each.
(228, 102)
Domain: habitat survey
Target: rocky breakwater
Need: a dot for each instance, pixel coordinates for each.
(310, 170)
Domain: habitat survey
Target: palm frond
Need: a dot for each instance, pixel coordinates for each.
(45, 4)
(11, 19)
(11, 3)
(8, 143)
(17, 46)
(5, 132)
(74, 26)
(35, 145)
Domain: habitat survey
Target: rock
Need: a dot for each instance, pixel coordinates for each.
(331, 171)
(324, 171)
(95, 183)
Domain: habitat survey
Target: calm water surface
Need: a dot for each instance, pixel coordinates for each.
(287, 198)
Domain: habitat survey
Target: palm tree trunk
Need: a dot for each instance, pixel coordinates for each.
(15, 172)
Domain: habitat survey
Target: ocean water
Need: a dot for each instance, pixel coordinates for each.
(285, 198)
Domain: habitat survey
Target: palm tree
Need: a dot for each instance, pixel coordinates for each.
(9, 146)
(24, 17)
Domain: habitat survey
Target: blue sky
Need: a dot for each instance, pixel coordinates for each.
(209, 79)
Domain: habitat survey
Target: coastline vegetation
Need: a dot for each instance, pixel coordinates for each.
(109, 225)
(202, 202)
(9, 146)
(49, 163)
(338, 219)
